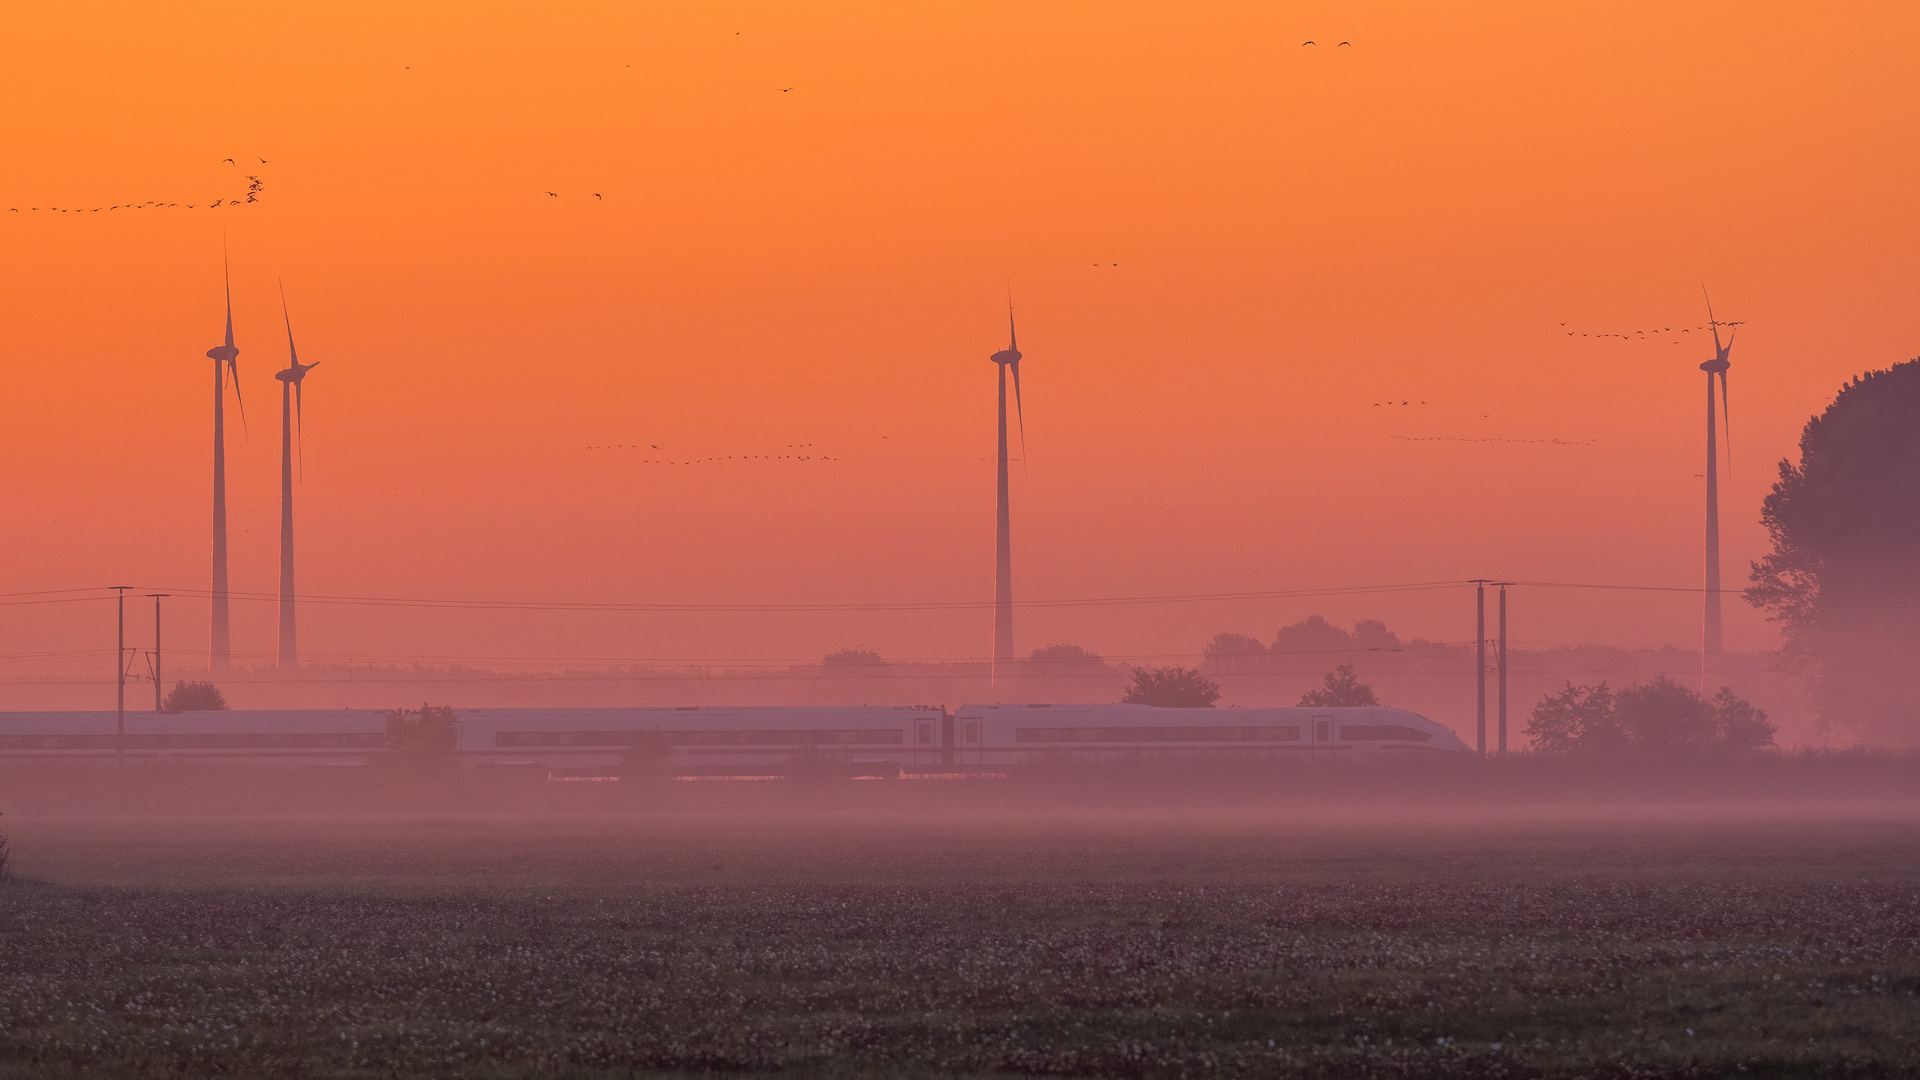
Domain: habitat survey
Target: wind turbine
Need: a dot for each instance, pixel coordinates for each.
(1710, 645)
(291, 381)
(220, 650)
(1008, 357)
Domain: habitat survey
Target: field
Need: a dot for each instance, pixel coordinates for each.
(885, 936)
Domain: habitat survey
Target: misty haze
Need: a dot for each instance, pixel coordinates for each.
(1392, 647)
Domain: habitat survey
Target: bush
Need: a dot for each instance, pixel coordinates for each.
(1343, 688)
(429, 733)
(1659, 716)
(194, 697)
(6, 860)
(647, 757)
(1171, 688)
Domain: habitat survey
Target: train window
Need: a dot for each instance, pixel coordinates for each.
(1383, 733)
(925, 734)
(777, 737)
(973, 731)
(1289, 733)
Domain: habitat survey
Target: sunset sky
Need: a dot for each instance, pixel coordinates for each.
(1299, 232)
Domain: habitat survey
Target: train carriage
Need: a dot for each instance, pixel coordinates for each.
(696, 740)
(268, 737)
(880, 740)
(1002, 735)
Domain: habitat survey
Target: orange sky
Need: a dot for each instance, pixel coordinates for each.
(1300, 232)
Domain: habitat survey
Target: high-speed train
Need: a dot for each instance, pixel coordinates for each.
(883, 740)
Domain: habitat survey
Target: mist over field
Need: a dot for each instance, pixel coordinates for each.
(668, 647)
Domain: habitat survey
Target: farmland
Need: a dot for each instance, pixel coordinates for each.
(835, 940)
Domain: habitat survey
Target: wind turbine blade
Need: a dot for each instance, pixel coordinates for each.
(1726, 425)
(226, 273)
(233, 373)
(300, 426)
(1711, 321)
(284, 314)
(1020, 411)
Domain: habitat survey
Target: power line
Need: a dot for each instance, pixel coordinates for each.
(456, 604)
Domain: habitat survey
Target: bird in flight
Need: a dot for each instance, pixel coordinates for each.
(597, 195)
(784, 89)
(227, 160)
(555, 194)
(1343, 43)
(1306, 43)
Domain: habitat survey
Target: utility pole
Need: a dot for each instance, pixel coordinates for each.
(1480, 663)
(157, 597)
(1503, 667)
(120, 677)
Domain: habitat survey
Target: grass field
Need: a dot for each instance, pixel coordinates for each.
(850, 940)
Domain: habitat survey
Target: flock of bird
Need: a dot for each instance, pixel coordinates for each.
(1377, 404)
(1306, 43)
(1458, 438)
(555, 195)
(1649, 335)
(718, 458)
(254, 187)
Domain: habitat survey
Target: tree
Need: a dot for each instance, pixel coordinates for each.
(852, 658)
(1661, 716)
(1171, 688)
(428, 733)
(1066, 660)
(1311, 634)
(1579, 718)
(1843, 578)
(1738, 725)
(1343, 688)
(193, 697)
(1373, 634)
(1233, 654)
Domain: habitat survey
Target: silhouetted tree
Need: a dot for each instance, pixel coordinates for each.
(866, 658)
(1171, 688)
(1843, 578)
(1065, 660)
(428, 733)
(1373, 634)
(1660, 716)
(1342, 687)
(1311, 634)
(1579, 718)
(1233, 654)
(193, 697)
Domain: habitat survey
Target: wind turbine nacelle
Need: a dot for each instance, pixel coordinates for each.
(1715, 366)
(223, 352)
(1006, 356)
(289, 375)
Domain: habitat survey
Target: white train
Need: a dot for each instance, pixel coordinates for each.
(735, 740)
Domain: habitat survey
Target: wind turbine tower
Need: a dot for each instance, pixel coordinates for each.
(1710, 646)
(224, 357)
(1006, 358)
(291, 380)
